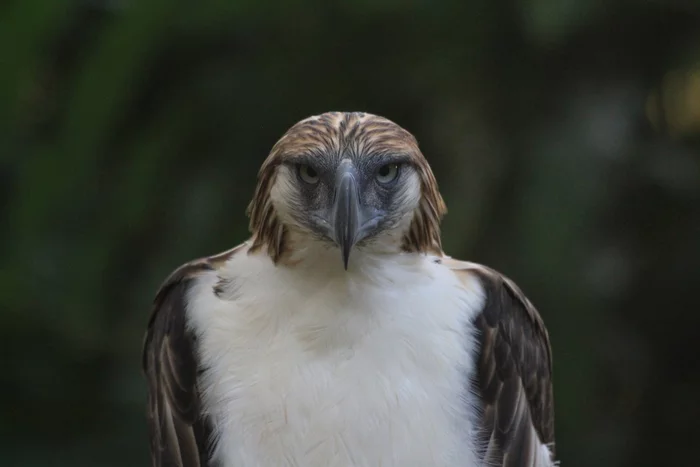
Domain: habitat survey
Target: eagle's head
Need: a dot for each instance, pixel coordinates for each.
(349, 180)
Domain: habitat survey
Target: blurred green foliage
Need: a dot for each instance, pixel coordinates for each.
(564, 134)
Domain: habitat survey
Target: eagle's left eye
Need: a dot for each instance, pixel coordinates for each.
(387, 173)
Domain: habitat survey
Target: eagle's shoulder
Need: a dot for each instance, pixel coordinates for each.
(514, 370)
(179, 433)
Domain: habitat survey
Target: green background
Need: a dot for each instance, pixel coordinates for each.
(565, 135)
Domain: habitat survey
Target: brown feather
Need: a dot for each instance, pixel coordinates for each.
(514, 373)
(333, 133)
(424, 233)
(179, 433)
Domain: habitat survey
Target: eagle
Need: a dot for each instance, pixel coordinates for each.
(340, 334)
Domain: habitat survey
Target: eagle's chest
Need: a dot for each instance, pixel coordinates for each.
(333, 380)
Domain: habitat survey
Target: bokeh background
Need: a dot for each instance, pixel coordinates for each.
(565, 135)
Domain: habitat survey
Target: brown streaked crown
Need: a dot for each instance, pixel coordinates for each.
(334, 133)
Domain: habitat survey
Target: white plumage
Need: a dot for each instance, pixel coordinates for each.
(320, 367)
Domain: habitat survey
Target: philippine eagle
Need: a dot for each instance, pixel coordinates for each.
(340, 334)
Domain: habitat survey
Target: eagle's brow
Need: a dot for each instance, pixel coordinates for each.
(389, 157)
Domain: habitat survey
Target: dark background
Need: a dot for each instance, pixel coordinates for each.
(565, 136)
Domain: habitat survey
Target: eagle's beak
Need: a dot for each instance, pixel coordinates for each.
(347, 219)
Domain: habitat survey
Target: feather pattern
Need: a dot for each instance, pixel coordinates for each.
(179, 433)
(514, 375)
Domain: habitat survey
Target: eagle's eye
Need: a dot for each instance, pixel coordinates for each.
(387, 173)
(308, 174)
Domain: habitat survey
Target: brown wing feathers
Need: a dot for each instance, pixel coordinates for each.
(514, 375)
(179, 436)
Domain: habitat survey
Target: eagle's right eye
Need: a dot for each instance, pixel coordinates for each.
(308, 174)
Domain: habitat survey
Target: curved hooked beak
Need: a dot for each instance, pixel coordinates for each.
(350, 220)
(346, 220)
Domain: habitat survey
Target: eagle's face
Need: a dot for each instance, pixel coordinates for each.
(349, 180)
(346, 197)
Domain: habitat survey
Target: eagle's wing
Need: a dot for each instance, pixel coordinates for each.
(514, 374)
(179, 432)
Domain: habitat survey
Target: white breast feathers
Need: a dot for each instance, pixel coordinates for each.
(317, 368)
